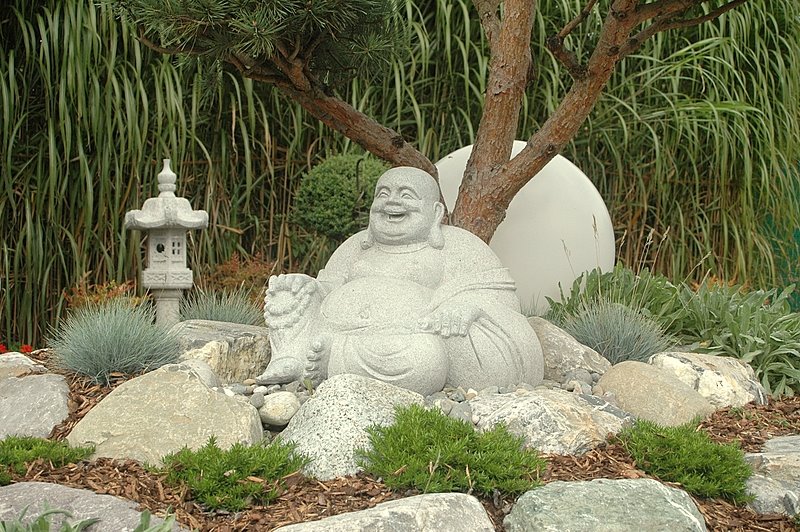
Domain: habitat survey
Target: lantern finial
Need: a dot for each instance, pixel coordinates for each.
(166, 181)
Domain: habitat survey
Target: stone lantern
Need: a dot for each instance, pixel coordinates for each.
(166, 220)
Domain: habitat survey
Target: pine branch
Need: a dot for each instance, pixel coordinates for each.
(663, 21)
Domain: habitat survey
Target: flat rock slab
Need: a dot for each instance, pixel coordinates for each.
(234, 351)
(604, 505)
(32, 405)
(333, 423)
(776, 476)
(435, 512)
(18, 365)
(653, 394)
(115, 514)
(552, 421)
(724, 381)
(161, 412)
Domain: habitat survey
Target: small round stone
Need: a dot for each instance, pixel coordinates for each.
(238, 389)
(257, 400)
(279, 408)
(458, 395)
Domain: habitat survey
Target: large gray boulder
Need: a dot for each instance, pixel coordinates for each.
(32, 405)
(724, 381)
(775, 483)
(163, 411)
(332, 424)
(653, 394)
(551, 421)
(435, 512)
(234, 351)
(605, 505)
(115, 514)
(564, 354)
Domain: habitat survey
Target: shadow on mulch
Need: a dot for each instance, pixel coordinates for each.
(307, 499)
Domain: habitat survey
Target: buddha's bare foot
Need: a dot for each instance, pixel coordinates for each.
(281, 371)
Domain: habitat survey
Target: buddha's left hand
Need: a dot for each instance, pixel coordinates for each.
(450, 319)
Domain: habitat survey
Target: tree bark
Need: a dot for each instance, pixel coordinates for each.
(378, 139)
(508, 77)
(485, 197)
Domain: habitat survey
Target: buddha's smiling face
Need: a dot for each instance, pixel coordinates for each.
(404, 208)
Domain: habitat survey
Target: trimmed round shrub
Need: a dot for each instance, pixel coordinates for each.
(617, 332)
(113, 337)
(334, 197)
(232, 306)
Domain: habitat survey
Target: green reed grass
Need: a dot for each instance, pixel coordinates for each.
(697, 134)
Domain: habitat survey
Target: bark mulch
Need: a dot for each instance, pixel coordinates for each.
(307, 499)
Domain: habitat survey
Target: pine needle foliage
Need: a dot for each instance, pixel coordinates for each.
(231, 306)
(113, 337)
(338, 39)
(18, 451)
(689, 457)
(234, 478)
(428, 451)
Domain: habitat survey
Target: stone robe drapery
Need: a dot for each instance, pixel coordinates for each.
(373, 319)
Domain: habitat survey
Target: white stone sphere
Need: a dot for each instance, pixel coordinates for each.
(556, 227)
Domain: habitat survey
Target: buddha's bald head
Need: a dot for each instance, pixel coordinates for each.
(420, 180)
(406, 208)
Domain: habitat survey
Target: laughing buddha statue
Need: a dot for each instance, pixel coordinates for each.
(407, 301)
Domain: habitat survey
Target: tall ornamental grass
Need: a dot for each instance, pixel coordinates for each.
(695, 141)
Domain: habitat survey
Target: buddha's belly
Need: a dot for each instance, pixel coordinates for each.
(375, 302)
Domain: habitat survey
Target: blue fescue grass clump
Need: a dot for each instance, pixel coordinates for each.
(426, 450)
(617, 332)
(234, 478)
(113, 337)
(232, 306)
(689, 457)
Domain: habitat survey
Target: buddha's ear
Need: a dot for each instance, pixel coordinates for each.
(435, 237)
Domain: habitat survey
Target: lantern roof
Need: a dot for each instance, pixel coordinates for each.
(166, 211)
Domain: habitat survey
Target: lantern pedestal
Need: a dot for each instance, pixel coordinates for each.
(167, 306)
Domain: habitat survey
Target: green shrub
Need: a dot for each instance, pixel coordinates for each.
(653, 294)
(755, 326)
(689, 457)
(333, 199)
(98, 340)
(617, 332)
(233, 478)
(232, 306)
(17, 451)
(42, 523)
(426, 450)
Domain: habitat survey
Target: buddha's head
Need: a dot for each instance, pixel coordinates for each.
(406, 209)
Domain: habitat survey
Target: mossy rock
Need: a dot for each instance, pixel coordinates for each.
(334, 197)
